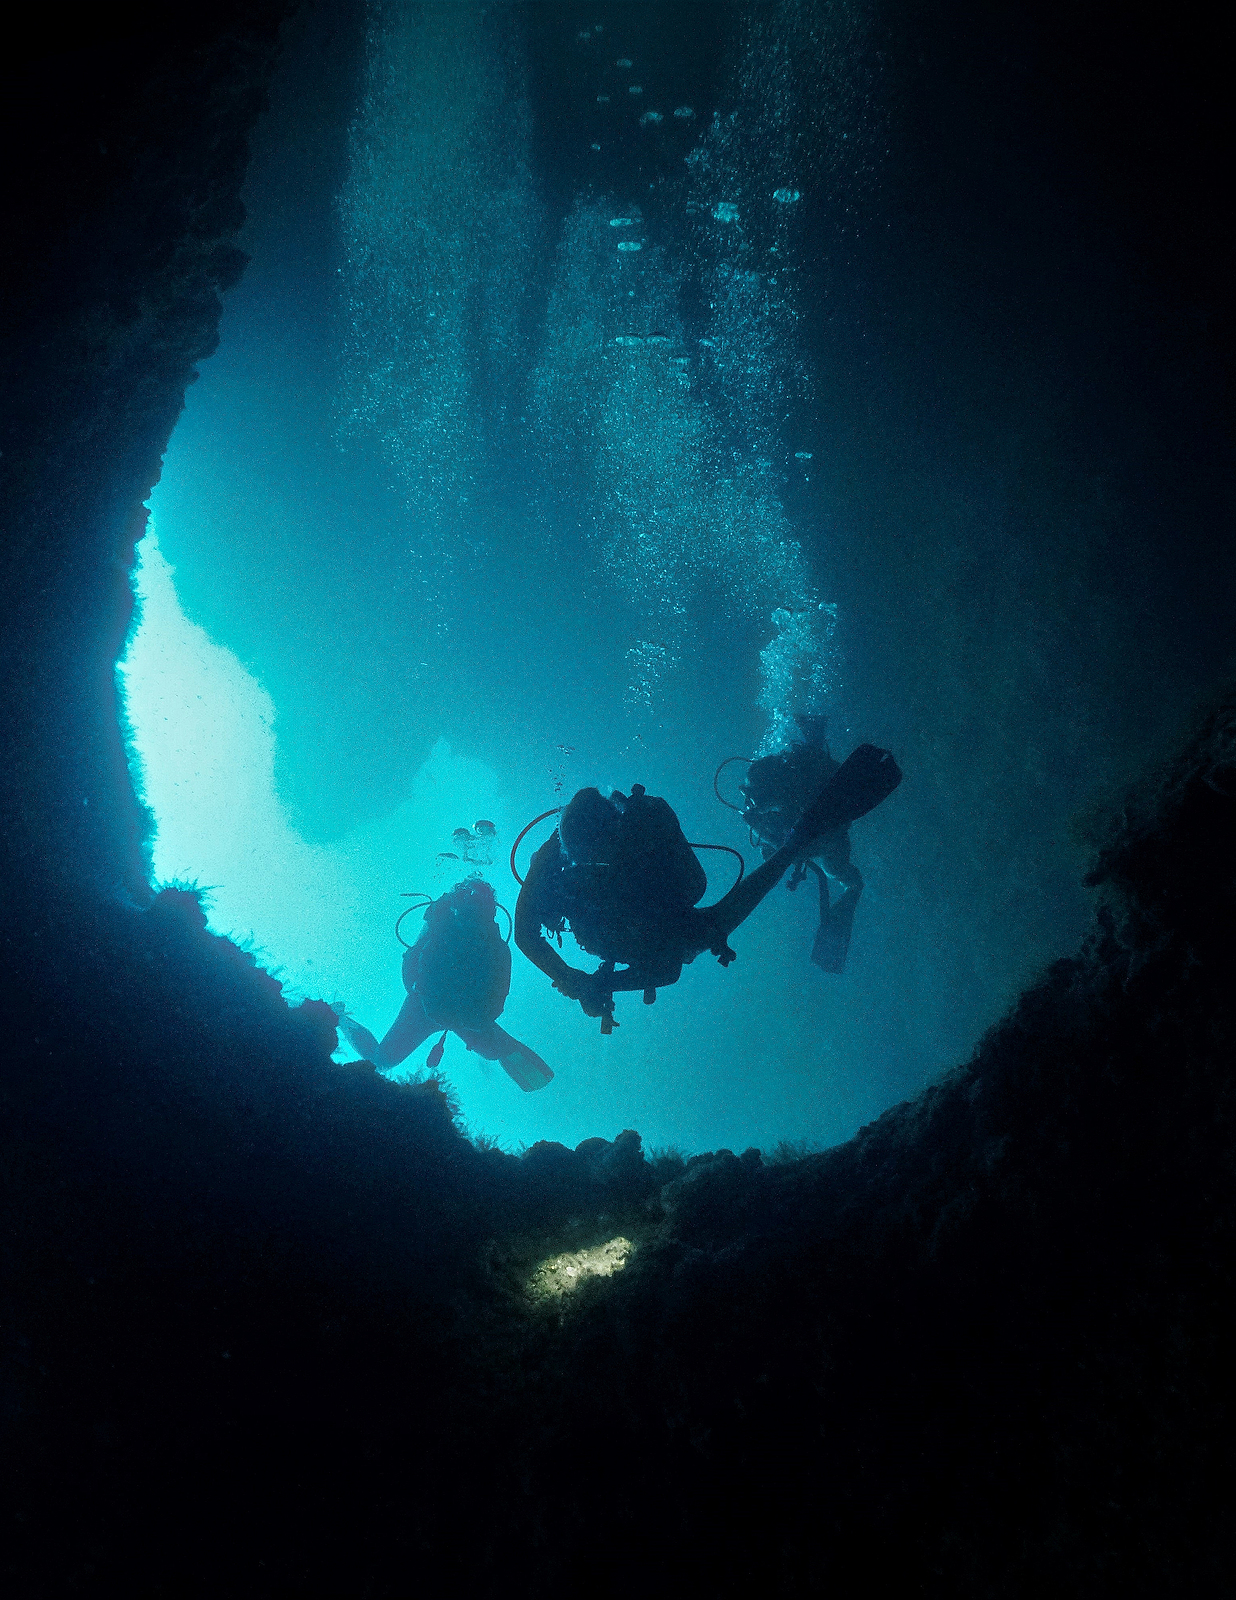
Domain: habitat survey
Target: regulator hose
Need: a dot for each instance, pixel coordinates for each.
(552, 812)
(742, 865)
(717, 774)
(425, 900)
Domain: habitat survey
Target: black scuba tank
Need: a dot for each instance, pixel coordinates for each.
(460, 967)
(622, 901)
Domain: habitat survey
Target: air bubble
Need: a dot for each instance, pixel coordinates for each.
(650, 116)
(803, 455)
(630, 244)
(725, 211)
(621, 222)
(787, 197)
(684, 112)
(636, 88)
(602, 99)
(623, 62)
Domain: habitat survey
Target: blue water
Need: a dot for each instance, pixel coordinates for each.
(522, 466)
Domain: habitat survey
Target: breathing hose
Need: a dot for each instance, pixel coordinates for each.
(729, 850)
(552, 812)
(424, 899)
(717, 774)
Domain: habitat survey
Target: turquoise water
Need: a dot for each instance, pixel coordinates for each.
(520, 468)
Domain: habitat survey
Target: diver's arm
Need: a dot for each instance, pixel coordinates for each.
(528, 925)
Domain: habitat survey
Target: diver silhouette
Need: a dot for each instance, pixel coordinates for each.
(775, 791)
(458, 975)
(621, 876)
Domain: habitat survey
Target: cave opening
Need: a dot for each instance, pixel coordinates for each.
(600, 394)
(479, 502)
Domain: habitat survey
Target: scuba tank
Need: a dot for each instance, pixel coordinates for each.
(626, 866)
(460, 966)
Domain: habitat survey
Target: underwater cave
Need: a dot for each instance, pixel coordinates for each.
(419, 412)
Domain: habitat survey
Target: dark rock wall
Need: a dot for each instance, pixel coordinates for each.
(264, 1325)
(127, 147)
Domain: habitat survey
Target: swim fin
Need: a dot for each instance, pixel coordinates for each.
(527, 1069)
(832, 939)
(866, 776)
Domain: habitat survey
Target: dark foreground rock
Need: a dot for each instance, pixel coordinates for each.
(270, 1326)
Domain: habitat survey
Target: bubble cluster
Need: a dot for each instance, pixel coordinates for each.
(666, 438)
(794, 670)
(647, 665)
(438, 219)
(692, 530)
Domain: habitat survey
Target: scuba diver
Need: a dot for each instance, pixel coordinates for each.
(621, 876)
(457, 975)
(775, 791)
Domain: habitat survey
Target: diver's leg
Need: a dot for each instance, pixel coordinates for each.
(832, 942)
(716, 923)
(408, 1030)
(822, 880)
(850, 879)
(404, 1036)
(516, 1060)
(834, 855)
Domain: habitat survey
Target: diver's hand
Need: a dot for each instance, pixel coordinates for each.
(568, 981)
(591, 989)
(596, 998)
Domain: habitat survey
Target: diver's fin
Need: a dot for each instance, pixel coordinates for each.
(435, 1055)
(527, 1069)
(832, 940)
(867, 776)
(361, 1040)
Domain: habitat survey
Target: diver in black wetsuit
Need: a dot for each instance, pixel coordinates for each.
(775, 791)
(622, 877)
(457, 975)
